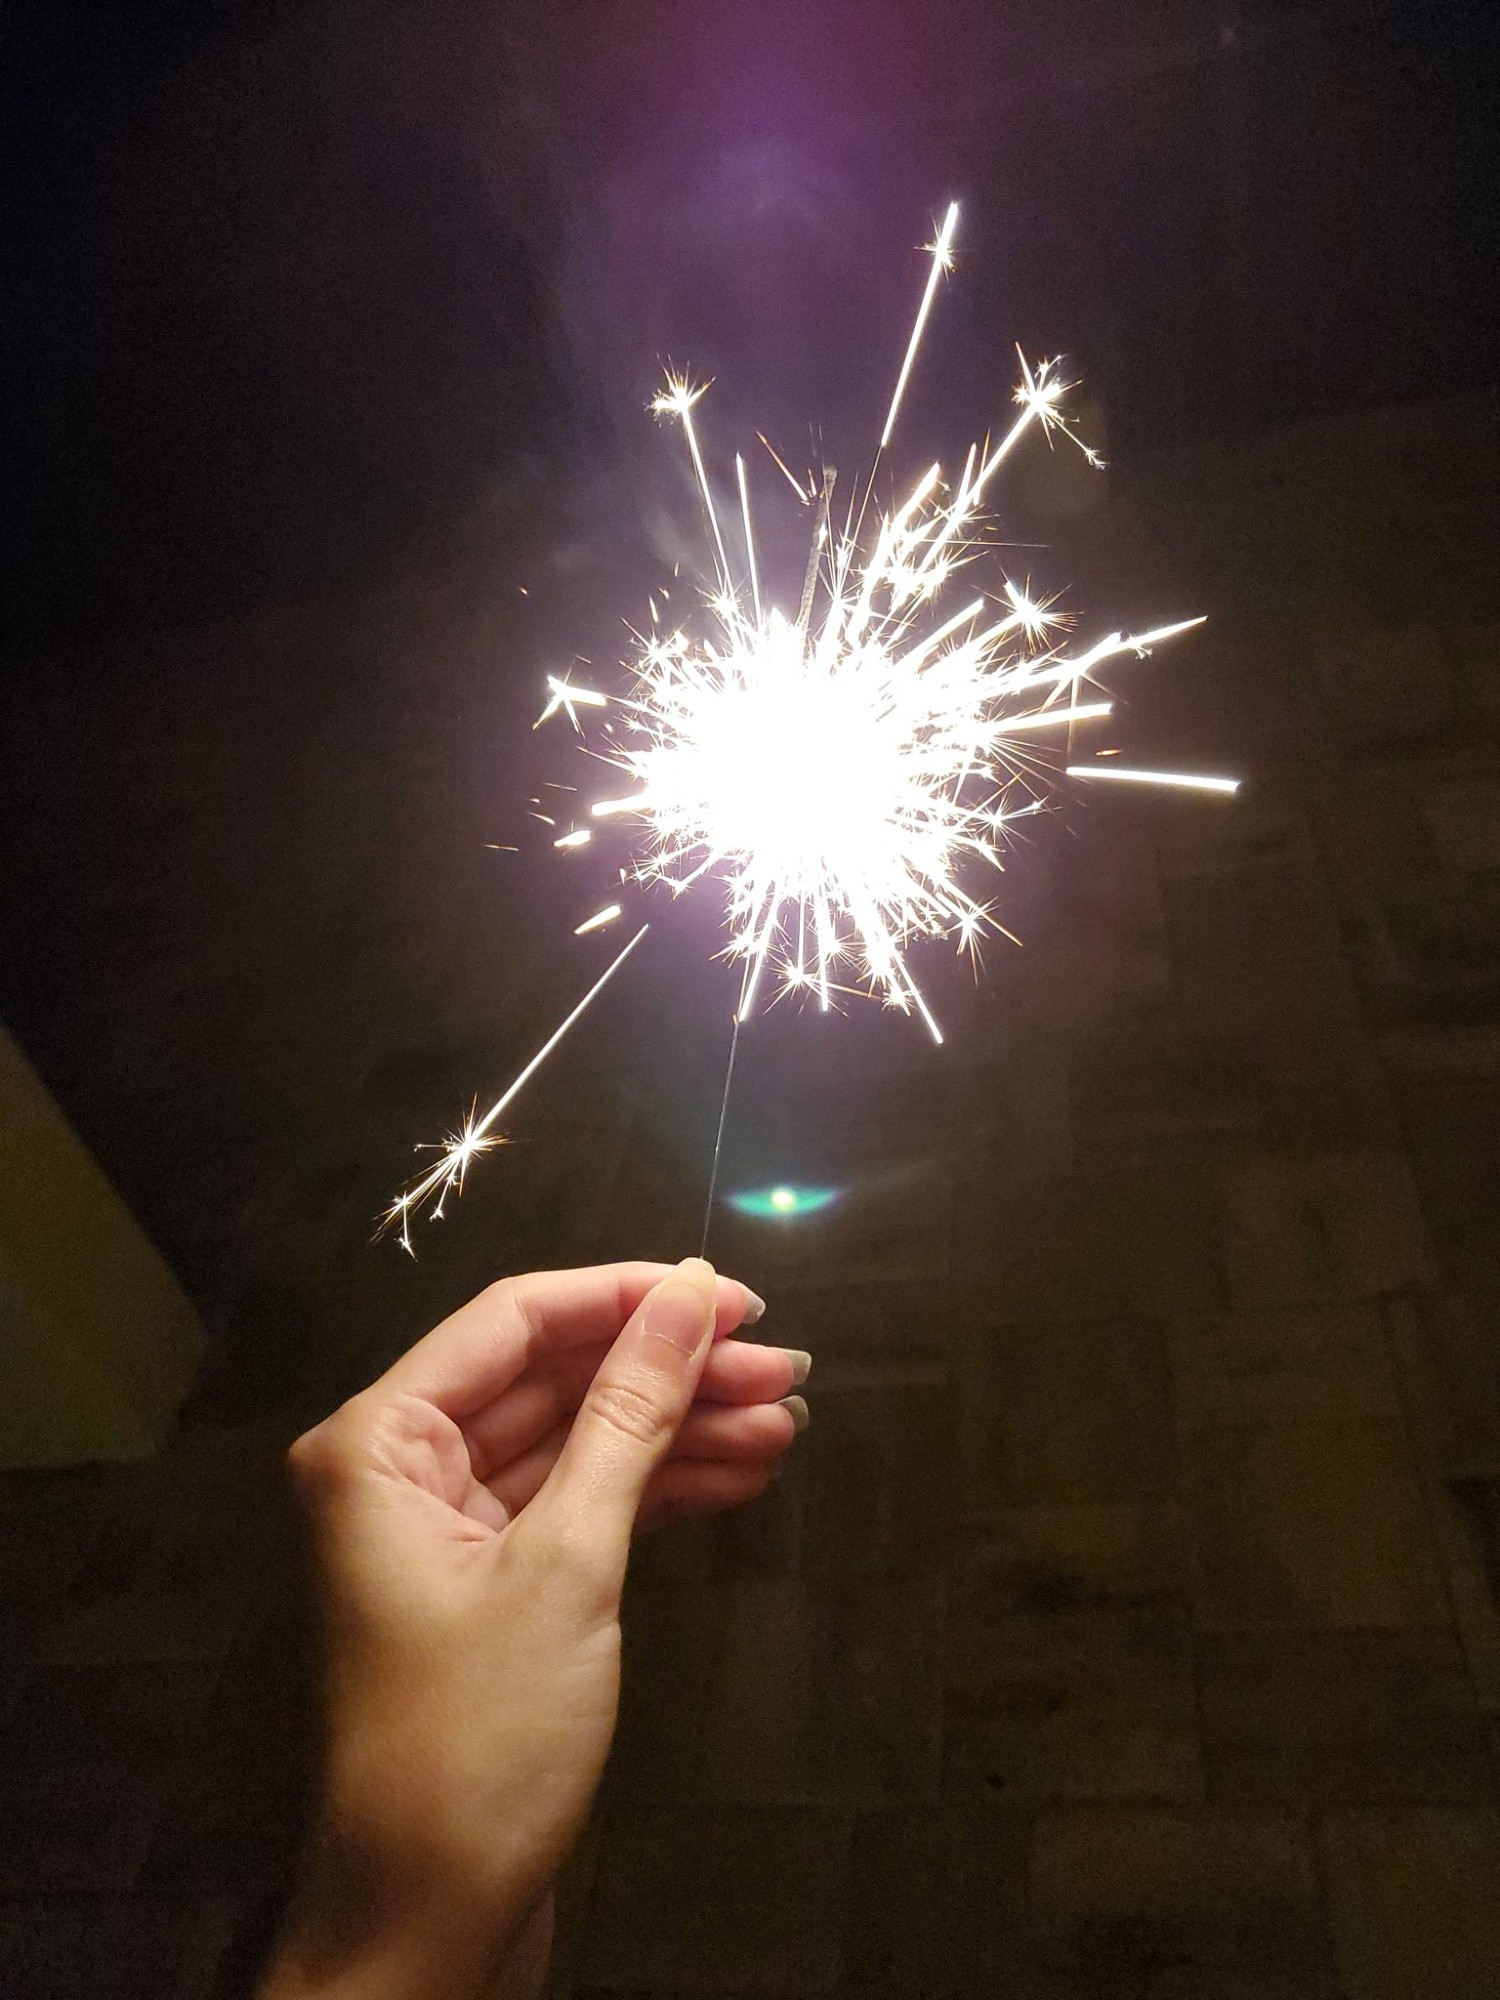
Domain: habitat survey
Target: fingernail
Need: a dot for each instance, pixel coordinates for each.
(801, 1362)
(800, 1414)
(755, 1307)
(679, 1311)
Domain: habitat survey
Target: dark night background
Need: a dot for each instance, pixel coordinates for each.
(290, 289)
(1128, 1624)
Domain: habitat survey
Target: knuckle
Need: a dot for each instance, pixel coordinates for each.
(631, 1412)
(510, 1299)
(306, 1456)
(318, 1459)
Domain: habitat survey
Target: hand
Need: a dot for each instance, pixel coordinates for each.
(473, 1511)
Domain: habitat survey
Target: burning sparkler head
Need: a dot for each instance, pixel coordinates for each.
(841, 772)
(788, 772)
(833, 790)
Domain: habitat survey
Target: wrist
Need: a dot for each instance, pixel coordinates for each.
(369, 1923)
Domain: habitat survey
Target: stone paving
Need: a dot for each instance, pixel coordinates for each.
(1127, 1624)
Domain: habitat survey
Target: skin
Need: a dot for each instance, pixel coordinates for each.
(473, 1512)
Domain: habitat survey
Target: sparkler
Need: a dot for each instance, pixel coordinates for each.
(841, 773)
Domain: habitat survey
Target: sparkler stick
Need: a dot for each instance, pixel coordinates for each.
(713, 1172)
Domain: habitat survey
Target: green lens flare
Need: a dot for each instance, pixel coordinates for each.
(783, 1202)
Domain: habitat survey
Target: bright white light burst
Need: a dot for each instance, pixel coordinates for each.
(843, 772)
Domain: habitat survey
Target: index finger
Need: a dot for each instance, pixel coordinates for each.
(474, 1354)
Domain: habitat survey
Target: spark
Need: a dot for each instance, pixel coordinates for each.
(739, 469)
(567, 697)
(1036, 617)
(677, 400)
(791, 478)
(1046, 718)
(474, 1138)
(941, 252)
(1184, 780)
(839, 773)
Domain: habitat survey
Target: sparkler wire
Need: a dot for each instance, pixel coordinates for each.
(713, 1172)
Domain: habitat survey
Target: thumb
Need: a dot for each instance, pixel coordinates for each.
(635, 1404)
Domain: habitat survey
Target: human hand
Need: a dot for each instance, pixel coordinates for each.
(473, 1512)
